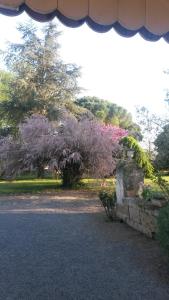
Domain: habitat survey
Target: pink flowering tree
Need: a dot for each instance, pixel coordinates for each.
(10, 156)
(89, 148)
(39, 142)
(35, 144)
(116, 133)
(74, 148)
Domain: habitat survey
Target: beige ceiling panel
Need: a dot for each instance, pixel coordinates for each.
(42, 6)
(103, 12)
(73, 9)
(157, 16)
(132, 13)
(11, 3)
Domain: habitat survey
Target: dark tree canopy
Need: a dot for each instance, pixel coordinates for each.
(110, 113)
(42, 82)
(5, 78)
(162, 148)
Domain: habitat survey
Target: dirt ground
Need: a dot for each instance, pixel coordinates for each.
(67, 201)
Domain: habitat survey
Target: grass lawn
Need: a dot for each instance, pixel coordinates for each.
(153, 185)
(28, 186)
(47, 185)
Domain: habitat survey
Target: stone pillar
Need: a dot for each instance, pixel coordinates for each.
(129, 177)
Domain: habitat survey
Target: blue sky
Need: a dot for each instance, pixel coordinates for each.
(126, 71)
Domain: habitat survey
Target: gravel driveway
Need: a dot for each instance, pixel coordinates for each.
(62, 247)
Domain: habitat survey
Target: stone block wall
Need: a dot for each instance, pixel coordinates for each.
(128, 179)
(140, 215)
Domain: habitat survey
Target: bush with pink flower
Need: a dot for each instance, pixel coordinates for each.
(74, 147)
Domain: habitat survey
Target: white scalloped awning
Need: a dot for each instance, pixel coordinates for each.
(149, 17)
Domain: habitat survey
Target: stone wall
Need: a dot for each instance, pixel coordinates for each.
(140, 215)
(131, 208)
(128, 179)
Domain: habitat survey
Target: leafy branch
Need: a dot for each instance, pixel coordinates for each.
(142, 160)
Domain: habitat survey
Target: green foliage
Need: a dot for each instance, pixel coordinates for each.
(162, 183)
(140, 156)
(108, 200)
(150, 193)
(110, 113)
(79, 112)
(6, 130)
(162, 149)
(147, 193)
(143, 161)
(163, 228)
(5, 78)
(41, 82)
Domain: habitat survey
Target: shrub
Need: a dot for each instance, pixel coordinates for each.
(109, 202)
(147, 193)
(163, 228)
(143, 161)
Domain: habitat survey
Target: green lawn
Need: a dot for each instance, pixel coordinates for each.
(153, 185)
(28, 186)
(35, 186)
(48, 185)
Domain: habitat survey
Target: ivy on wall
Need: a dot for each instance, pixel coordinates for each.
(142, 160)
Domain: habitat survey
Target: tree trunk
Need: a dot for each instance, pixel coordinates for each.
(40, 171)
(71, 175)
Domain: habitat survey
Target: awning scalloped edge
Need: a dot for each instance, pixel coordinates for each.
(145, 33)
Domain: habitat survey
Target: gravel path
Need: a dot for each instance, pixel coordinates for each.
(62, 247)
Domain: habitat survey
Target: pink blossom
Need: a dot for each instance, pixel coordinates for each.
(117, 133)
(87, 144)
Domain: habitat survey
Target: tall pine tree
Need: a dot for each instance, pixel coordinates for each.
(41, 82)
